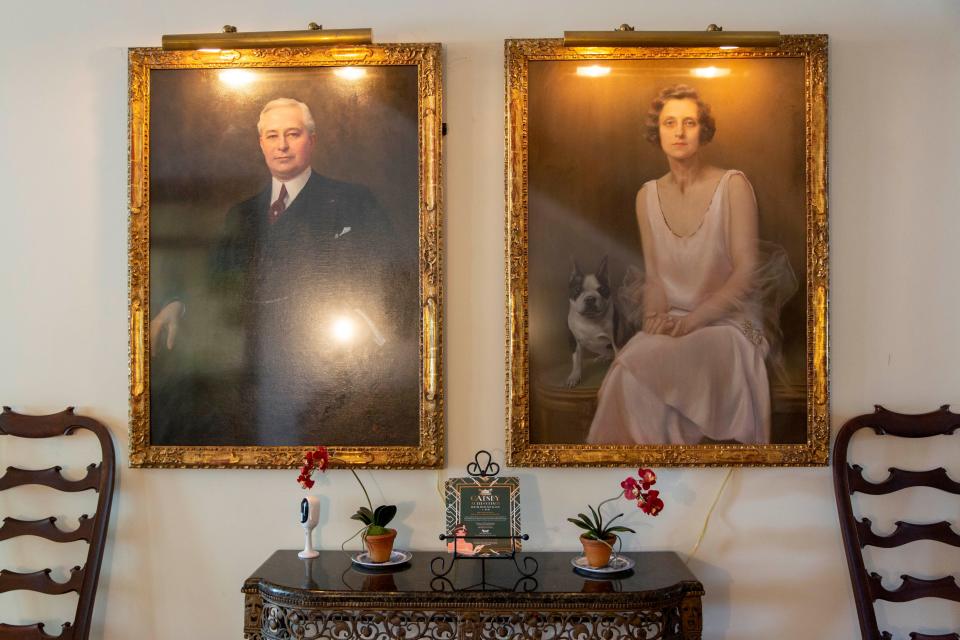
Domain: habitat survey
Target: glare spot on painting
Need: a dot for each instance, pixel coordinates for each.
(236, 78)
(731, 48)
(342, 329)
(593, 71)
(350, 73)
(709, 72)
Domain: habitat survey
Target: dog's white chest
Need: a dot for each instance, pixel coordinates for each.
(596, 335)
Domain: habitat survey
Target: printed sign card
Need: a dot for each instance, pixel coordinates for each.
(488, 508)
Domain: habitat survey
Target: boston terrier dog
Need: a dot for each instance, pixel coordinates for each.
(593, 318)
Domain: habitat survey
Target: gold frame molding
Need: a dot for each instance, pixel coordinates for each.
(427, 58)
(520, 451)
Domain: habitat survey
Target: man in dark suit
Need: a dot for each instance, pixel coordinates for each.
(309, 274)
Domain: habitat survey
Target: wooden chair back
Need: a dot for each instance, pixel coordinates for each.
(99, 477)
(857, 534)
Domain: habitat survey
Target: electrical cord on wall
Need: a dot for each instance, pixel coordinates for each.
(706, 521)
(440, 491)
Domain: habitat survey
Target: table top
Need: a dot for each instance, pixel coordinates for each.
(332, 577)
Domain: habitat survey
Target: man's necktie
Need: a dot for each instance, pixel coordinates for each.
(279, 206)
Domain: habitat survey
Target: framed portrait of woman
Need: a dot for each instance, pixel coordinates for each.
(667, 266)
(285, 256)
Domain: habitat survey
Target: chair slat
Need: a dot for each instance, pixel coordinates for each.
(923, 636)
(912, 588)
(40, 581)
(906, 532)
(46, 528)
(33, 632)
(901, 479)
(51, 477)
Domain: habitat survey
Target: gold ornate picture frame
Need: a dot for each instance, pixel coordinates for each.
(285, 256)
(601, 382)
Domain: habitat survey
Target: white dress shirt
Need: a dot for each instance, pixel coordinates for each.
(294, 186)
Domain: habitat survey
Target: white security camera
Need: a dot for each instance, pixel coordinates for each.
(309, 518)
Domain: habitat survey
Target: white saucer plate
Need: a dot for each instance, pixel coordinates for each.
(617, 564)
(398, 556)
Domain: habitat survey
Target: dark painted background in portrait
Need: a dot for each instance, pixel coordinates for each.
(205, 158)
(587, 159)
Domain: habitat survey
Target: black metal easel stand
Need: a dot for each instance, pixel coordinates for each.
(441, 566)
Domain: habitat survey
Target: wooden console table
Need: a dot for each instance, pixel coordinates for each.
(326, 597)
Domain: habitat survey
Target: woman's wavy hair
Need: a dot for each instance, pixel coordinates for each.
(708, 126)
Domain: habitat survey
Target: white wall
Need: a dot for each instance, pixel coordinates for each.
(182, 541)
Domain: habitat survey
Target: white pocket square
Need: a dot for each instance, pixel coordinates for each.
(344, 232)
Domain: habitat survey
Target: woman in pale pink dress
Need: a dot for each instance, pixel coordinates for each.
(696, 372)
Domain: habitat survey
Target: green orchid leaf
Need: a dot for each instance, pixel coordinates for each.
(580, 523)
(587, 519)
(610, 521)
(364, 515)
(596, 518)
(619, 529)
(384, 514)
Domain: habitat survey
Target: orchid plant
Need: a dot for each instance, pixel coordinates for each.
(648, 501)
(375, 521)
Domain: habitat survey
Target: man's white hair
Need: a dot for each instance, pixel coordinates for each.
(288, 102)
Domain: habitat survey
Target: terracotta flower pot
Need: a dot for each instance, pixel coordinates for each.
(597, 551)
(380, 547)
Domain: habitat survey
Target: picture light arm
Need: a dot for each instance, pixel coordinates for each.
(627, 36)
(230, 38)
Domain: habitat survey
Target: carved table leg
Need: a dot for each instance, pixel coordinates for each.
(691, 617)
(252, 614)
(469, 626)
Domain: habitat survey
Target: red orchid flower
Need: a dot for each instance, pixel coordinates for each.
(650, 503)
(647, 477)
(312, 461)
(631, 490)
(321, 458)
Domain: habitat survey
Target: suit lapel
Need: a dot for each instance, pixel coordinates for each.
(314, 207)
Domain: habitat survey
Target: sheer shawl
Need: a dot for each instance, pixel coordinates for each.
(773, 283)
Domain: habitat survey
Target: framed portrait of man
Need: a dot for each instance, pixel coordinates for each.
(285, 256)
(667, 265)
